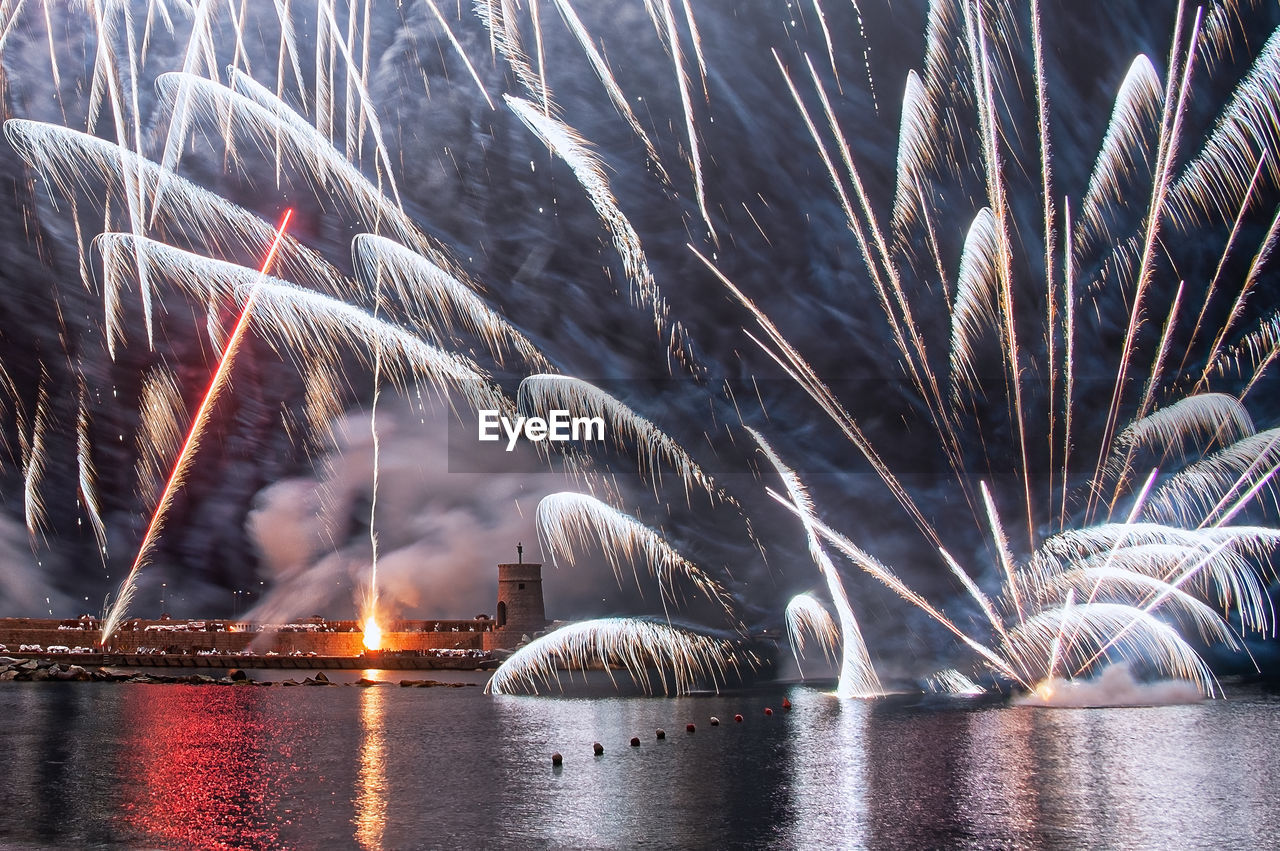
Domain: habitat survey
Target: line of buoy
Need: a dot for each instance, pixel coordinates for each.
(557, 759)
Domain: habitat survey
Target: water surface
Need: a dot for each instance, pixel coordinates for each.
(170, 766)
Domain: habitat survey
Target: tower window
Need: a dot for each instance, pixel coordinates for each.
(521, 586)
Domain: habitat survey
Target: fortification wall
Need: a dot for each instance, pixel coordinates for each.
(321, 643)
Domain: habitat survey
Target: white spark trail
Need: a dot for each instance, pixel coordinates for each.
(681, 659)
(569, 521)
(446, 301)
(88, 478)
(682, 82)
(858, 677)
(573, 149)
(806, 616)
(653, 447)
(601, 68)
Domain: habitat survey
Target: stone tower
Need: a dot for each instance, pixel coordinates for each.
(520, 606)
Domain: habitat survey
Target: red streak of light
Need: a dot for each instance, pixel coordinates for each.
(192, 441)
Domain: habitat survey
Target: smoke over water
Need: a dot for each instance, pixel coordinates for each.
(1115, 686)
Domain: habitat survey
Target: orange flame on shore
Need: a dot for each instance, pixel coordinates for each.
(372, 634)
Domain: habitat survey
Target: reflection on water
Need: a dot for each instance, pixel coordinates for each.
(203, 767)
(835, 749)
(189, 767)
(371, 780)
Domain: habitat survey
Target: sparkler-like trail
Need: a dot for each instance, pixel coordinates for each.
(190, 444)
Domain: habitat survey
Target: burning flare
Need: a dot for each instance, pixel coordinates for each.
(372, 634)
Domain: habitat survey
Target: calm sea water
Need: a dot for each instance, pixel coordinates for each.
(166, 766)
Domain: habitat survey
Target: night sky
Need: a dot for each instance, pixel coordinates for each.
(274, 517)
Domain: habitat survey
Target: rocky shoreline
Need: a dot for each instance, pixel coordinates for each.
(48, 670)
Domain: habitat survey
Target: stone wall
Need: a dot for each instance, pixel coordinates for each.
(14, 634)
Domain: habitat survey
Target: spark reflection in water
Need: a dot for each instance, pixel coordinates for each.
(836, 751)
(371, 780)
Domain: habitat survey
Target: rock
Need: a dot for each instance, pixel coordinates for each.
(29, 665)
(290, 683)
(70, 673)
(41, 674)
(6, 676)
(102, 675)
(237, 675)
(321, 678)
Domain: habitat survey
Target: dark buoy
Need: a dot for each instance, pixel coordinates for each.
(598, 748)
(635, 741)
(689, 728)
(662, 734)
(557, 759)
(715, 722)
(768, 711)
(786, 704)
(738, 718)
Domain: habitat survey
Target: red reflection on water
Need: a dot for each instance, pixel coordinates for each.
(204, 769)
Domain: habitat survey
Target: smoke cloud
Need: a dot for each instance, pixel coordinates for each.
(440, 533)
(1115, 686)
(25, 589)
